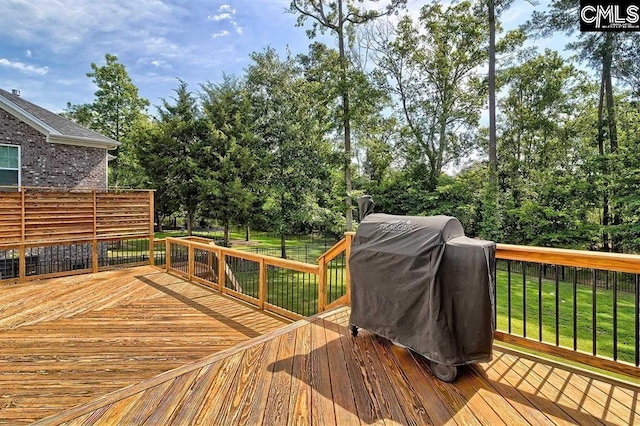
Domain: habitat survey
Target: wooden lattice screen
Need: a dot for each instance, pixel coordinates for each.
(36, 217)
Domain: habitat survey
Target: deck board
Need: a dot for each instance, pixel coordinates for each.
(68, 341)
(314, 372)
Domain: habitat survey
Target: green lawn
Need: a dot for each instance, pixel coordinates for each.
(604, 315)
(297, 292)
(287, 289)
(291, 290)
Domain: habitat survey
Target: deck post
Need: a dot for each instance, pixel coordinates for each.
(152, 260)
(22, 260)
(167, 254)
(222, 273)
(322, 284)
(262, 290)
(349, 238)
(210, 263)
(191, 261)
(94, 244)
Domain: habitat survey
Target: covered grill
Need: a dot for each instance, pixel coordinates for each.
(419, 282)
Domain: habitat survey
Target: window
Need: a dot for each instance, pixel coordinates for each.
(9, 167)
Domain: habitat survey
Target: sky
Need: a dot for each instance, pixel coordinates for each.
(47, 46)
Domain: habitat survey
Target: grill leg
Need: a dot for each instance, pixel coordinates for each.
(354, 330)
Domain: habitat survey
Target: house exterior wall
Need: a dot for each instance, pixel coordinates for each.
(47, 164)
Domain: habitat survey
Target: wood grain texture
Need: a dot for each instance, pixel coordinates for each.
(68, 341)
(314, 372)
(579, 258)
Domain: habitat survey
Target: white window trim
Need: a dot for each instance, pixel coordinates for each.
(19, 163)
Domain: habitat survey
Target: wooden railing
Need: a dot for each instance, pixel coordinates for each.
(285, 287)
(542, 304)
(48, 232)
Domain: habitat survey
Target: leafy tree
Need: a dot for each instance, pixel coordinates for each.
(231, 153)
(339, 17)
(599, 50)
(543, 152)
(174, 148)
(115, 111)
(431, 70)
(154, 158)
(292, 138)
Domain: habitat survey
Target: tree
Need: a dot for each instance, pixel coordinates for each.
(599, 50)
(547, 190)
(291, 134)
(431, 70)
(231, 153)
(116, 109)
(174, 148)
(338, 17)
(154, 158)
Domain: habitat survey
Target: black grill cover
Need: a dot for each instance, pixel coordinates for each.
(420, 282)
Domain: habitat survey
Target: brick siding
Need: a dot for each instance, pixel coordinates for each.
(51, 164)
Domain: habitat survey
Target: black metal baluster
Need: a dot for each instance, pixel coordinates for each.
(557, 306)
(524, 299)
(540, 303)
(509, 294)
(615, 316)
(575, 309)
(290, 288)
(593, 310)
(637, 307)
(495, 293)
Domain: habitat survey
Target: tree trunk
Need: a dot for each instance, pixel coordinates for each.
(189, 222)
(283, 246)
(226, 233)
(247, 236)
(605, 197)
(493, 156)
(346, 119)
(607, 60)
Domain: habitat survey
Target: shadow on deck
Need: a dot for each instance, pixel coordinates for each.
(68, 341)
(314, 372)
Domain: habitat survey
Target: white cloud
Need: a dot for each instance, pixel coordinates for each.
(221, 34)
(221, 17)
(66, 25)
(22, 67)
(226, 13)
(28, 53)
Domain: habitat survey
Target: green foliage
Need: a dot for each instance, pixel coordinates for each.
(430, 67)
(295, 152)
(171, 151)
(231, 155)
(115, 113)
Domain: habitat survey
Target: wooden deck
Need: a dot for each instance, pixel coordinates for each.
(314, 372)
(67, 341)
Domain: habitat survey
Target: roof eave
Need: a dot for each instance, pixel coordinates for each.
(80, 141)
(52, 134)
(27, 117)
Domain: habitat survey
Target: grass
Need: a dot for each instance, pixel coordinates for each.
(293, 291)
(584, 315)
(288, 289)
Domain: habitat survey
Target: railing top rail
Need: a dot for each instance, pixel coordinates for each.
(577, 258)
(269, 260)
(334, 251)
(74, 190)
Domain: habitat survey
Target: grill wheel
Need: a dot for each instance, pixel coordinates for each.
(445, 373)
